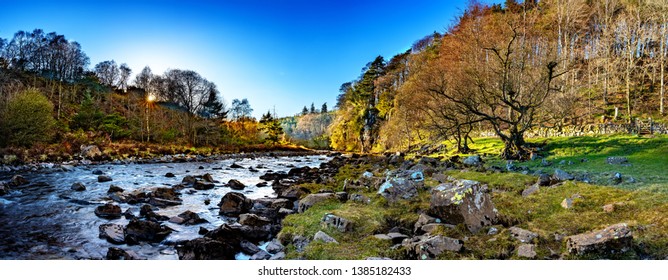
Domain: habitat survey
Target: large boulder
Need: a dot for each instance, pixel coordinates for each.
(403, 185)
(463, 201)
(113, 233)
(429, 247)
(108, 211)
(149, 231)
(234, 203)
(311, 199)
(206, 249)
(341, 224)
(611, 240)
(90, 151)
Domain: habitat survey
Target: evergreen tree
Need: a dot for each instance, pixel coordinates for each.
(324, 108)
(304, 111)
(313, 108)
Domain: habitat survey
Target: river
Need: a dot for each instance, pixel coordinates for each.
(46, 219)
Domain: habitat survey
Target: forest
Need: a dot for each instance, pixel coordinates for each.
(510, 71)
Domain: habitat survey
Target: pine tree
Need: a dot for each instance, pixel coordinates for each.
(324, 108)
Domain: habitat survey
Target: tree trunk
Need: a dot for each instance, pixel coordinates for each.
(514, 146)
(628, 85)
(663, 58)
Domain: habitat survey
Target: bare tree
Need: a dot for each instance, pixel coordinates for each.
(124, 76)
(107, 72)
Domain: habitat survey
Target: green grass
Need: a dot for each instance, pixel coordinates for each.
(648, 158)
(642, 205)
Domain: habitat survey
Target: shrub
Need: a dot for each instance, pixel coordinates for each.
(27, 119)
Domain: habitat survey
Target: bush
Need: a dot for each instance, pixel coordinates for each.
(27, 119)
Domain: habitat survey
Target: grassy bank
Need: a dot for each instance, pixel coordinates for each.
(586, 156)
(643, 205)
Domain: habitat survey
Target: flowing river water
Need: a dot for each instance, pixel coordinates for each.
(46, 219)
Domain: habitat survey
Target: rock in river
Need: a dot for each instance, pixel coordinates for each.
(236, 185)
(79, 187)
(150, 231)
(108, 211)
(113, 233)
(234, 203)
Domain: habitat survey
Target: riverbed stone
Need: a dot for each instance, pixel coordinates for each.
(149, 231)
(104, 178)
(203, 185)
(293, 192)
(236, 185)
(113, 233)
(115, 253)
(463, 201)
(248, 247)
(188, 218)
(206, 249)
(253, 220)
(274, 247)
(261, 255)
(108, 211)
(78, 187)
(278, 256)
(612, 240)
(234, 203)
(114, 188)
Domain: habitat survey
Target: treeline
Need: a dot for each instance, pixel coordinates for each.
(48, 95)
(510, 69)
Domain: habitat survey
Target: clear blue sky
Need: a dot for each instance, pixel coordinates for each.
(282, 53)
